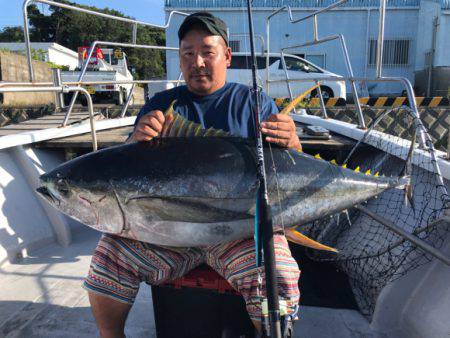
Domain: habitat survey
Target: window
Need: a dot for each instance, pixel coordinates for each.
(317, 59)
(235, 45)
(299, 65)
(245, 62)
(395, 52)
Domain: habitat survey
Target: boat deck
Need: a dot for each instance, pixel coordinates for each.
(41, 296)
(110, 137)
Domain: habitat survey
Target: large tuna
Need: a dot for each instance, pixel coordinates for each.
(198, 189)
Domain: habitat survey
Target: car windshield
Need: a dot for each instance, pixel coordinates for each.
(300, 65)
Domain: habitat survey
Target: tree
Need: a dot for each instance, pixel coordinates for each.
(12, 34)
(74, 29)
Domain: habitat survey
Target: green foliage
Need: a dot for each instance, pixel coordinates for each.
(74, 29)
(11, 34)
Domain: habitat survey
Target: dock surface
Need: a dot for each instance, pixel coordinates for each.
(46, 122)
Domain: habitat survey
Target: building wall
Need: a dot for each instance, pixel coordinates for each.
(442, 57)
(357, 25)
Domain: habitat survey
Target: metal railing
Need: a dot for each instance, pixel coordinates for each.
(59, 89)
(135, 23)
(133, 44)
(86, 63)
(316, 40)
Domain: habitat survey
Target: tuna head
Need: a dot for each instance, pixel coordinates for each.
(72, 190)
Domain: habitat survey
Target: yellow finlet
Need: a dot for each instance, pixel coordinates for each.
(368, 172)
(344, 165)
(297, 237)
(177, 126)
(317, 156)
(358, 169)
(333, 161)
(377, 174)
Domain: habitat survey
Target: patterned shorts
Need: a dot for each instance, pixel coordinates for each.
(119, 265)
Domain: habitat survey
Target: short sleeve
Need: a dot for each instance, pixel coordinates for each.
(268, 107)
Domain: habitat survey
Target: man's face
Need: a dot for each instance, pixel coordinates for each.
(204, 59)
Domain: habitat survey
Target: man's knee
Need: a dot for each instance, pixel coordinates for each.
(110, 315)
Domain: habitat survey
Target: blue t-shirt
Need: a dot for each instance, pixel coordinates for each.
(229, 108)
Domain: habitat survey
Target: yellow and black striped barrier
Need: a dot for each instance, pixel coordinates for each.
(382, 101)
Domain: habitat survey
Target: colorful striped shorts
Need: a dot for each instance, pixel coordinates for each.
(119, 265)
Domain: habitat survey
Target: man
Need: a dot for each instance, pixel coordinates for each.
(119, 265)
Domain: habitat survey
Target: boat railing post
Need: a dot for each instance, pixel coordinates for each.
(91, 51)
(127, 103)
(59, 96)
(361, 122)
(134, 36)
(26, 33)
(283, 62)
(135, 23)
(380, 41)
(322, 103)
(80, 78)
(90, 106)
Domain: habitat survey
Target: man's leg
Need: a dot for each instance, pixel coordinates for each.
(110, 315)
(235, 261)
(119, 265)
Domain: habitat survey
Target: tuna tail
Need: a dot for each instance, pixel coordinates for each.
(407, 172)
(297, 237)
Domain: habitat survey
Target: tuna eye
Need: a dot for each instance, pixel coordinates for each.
(62, 186)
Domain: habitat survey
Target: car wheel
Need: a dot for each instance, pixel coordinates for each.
(327, 92)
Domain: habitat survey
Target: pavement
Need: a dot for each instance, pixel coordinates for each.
(41, 296)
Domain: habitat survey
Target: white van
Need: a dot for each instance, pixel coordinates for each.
(298, 68)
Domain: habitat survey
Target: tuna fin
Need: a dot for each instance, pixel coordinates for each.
(177, 126)
(297, 100)
(297, 237)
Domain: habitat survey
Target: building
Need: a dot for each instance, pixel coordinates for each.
(51, 52)
(412, 28)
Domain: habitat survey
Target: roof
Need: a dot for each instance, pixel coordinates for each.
(14, 46)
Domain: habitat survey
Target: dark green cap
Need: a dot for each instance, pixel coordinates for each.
(205, 20)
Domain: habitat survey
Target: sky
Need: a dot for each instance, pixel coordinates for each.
(145, 10)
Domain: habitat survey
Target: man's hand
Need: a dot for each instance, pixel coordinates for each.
(149, 126)
(280, 129)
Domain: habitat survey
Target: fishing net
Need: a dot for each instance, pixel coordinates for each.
(371, 254)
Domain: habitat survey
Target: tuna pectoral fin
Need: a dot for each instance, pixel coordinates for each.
(297, 237)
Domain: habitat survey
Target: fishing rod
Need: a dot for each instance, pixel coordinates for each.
(264, 214)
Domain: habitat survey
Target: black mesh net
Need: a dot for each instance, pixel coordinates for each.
(371, 254)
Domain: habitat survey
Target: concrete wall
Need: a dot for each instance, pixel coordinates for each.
(14, 68)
